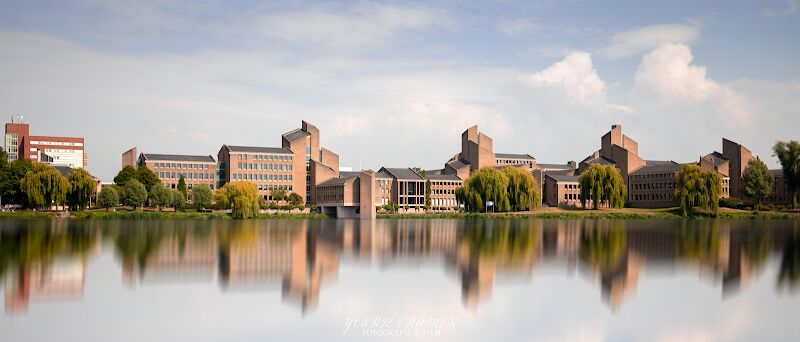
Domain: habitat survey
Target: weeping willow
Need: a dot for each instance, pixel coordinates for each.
(694, 187)
(603, 185)
(44, 187)
(82, 188)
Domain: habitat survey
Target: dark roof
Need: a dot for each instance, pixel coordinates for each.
(255, 149)
(716, 158)
(457, 163)
(716, 154)
(63, 169)
(295, 134)
(349, 174)
(563, 178)
(513, 156)
(658, 162)
(383, 175)
(599, 160)
(555, 166)
(336, 181)
(402, 173)
(658, 168)
(178, 157)
(776, 172)
(443, 177)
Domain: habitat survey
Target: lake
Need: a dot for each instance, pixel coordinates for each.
(427, 279)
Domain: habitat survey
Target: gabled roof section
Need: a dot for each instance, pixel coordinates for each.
(443, 177)
(658, 168)
(402, 173)
(336, 181)
(457, 163)
(563, 178)
(295, 134)
(555, 166)
(178, 157)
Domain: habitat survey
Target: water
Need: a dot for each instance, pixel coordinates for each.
(463, 280)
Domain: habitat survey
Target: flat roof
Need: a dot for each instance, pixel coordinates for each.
(563, 178)
(443, 177)
(336, 181)
(659, 168)
(178, 157)
(555, 166)
(256, 149)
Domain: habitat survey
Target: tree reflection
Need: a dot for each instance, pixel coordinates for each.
(502, 241)
(39, 245)
(603, 247)
(789, 275)
(698, 244)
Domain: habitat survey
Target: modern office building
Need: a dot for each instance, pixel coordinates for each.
(53, 150)
(618, 150)
(130, 158)
(653, 185)
(170, 167)
(443, 191)
(561, 191)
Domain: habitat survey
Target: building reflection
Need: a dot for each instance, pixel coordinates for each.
(300, 258)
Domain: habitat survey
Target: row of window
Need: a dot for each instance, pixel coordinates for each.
(201, 176)
(261, 177)
(653, 197)
(653, 186)
(188, 186)
(183, 166)
(442, 183)
(270, 167)
(572, 186)
(274, 187)
(283, 157)
(443, 191)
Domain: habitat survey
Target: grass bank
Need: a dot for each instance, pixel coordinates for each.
(27, 215)
(172, 215)
(611, 214)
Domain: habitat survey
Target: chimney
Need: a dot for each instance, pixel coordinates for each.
(572, 164)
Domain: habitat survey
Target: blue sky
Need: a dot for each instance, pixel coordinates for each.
(394, 83)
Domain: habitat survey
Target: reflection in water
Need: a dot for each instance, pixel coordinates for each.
(48, 260)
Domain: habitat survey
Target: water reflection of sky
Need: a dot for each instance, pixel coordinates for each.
(501, 280)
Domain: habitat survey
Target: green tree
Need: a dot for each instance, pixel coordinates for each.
(44, 186)
(278, 195)
(133, 193)
(177, 199)
(5, 170)
(82, 187)
(427, 189)
(241, 197)
(603, 185)
(788, 154)
(123, 176)
(147, 177)
(523, 193)
(201, 196)
(694, 187)
(160, 196)
(757, 181)
(108, 197)
(295, 199)
(10, 187)
(488, 184)
(182, 186)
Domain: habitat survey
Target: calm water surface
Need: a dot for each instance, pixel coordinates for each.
(463, 280)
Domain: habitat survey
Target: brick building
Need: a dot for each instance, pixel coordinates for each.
(53, 150)
(170, 167)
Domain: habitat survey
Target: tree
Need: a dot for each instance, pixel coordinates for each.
(427, 189)
(295, 199)
(133, 193)
(788, 154)
(108, 197)
(44, 186)
(697, 188)
(147, 177)
(177, 199)
(82, 187)
(488, 184)
(10, 187)
(523, 193)
(757, 181)
(123, 176)
(201, 196)
(603, 185)
(278, 195)
(182, 186)
(160, 196)
(241, 197)
(5, 170)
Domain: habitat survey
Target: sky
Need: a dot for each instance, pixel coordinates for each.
(395, 83)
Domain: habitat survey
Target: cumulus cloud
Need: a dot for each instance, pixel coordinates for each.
(645, 38)
(576, 78)
(668, 73)
(355, 26)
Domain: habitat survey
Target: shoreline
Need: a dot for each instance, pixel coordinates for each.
(551, 213)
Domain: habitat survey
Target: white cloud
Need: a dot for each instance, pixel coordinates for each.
(645, 38)
(790, 9)
(576, 78)
(668, 73)
(355, 26)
